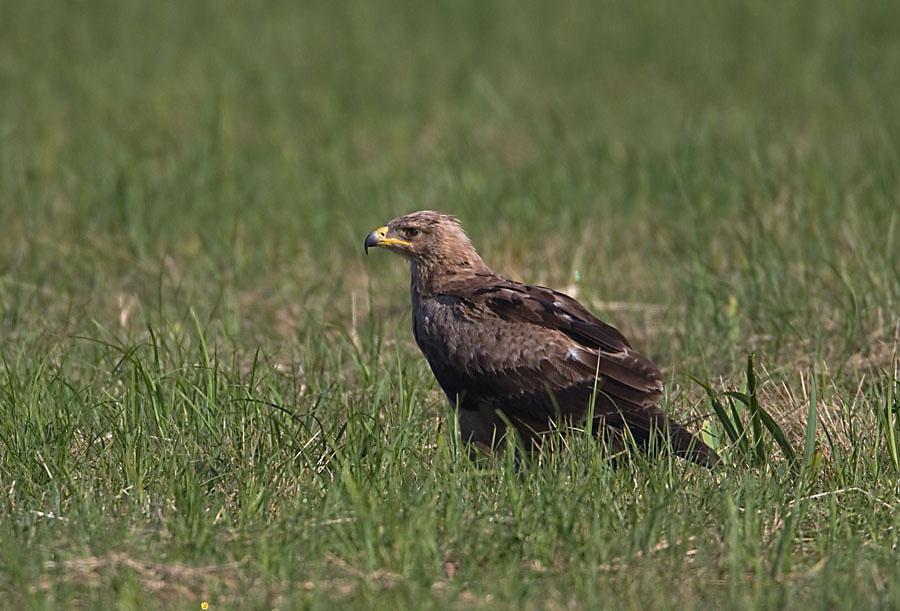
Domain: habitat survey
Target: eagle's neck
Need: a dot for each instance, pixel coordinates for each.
(430, 278)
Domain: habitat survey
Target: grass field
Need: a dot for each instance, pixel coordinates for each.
(208, 393)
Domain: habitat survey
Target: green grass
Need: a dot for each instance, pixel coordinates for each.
(207, 392)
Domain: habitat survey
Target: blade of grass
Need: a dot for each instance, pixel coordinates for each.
(809, 447)
(721, 414)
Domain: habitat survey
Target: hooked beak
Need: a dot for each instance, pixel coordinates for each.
(379, 238)
(375, 238)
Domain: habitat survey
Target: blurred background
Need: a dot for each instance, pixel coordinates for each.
(231, 156)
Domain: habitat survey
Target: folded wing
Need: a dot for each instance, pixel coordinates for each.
(539, 355)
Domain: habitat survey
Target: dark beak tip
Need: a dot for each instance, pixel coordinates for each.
(371, 240)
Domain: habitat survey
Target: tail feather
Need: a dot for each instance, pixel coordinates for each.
(650, 425)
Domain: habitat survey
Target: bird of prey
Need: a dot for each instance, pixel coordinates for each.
(507, 353)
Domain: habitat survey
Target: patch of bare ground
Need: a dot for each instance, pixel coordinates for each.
(173, 580)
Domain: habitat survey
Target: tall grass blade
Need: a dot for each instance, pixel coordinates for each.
(892, 418)
(809, 447)
(721, 414)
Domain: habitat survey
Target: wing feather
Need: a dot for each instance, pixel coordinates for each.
(530, 351)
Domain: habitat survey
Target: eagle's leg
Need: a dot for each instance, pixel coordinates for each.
(488, 429)
(481, 428)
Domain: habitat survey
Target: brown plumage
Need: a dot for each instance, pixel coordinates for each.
(503, 351)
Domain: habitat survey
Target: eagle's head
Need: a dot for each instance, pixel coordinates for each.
(426, 237)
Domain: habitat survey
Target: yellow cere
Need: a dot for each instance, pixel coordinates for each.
(381, 232)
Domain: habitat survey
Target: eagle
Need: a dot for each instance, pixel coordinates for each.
(508, 354)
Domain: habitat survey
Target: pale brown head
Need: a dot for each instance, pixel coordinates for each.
(426, 238)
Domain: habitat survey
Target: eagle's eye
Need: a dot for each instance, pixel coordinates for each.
(411, 232)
